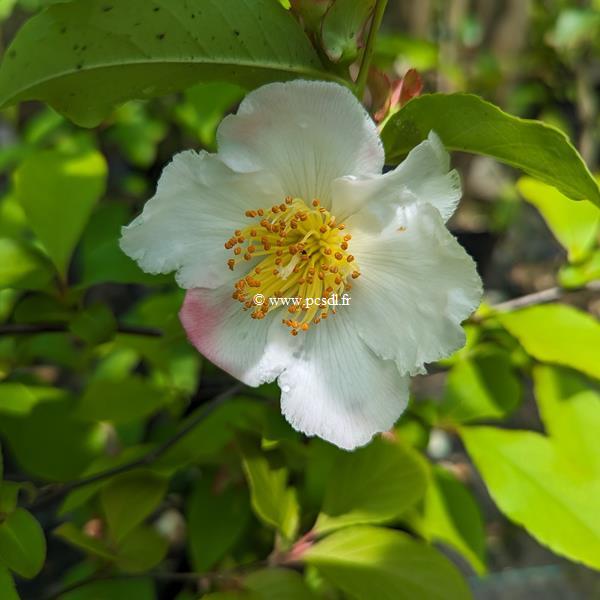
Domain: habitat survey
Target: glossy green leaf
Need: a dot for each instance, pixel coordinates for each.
(283, 584)
(22, 544)
(131, 497)
(569, 406)
(370, 562)
(104, 53)
(272, 500)
(22, 267)
(557, 333)
(216, 521)
(467, 123)
(58, 193)
(536, 486)
(68, 445)
(120, 401)
(482, 386)
(8, 591)
(141, 550)
(342, 27)
(373, 484)
(451, 516)
(575, 226)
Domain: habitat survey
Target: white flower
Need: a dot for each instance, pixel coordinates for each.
(294, 205)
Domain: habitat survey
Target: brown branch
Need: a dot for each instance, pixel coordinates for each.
(543, 297)
(57, 491)
(33, 328)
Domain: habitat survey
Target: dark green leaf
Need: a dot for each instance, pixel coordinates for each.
(131, 497)
(282, 584)
(104, 53)
(8, 591)
(467, 123)
(216, 520)
(141, 550)
(23, 267)
(95, 325)
(374, 484)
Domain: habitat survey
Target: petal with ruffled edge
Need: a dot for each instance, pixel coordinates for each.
(199, 203)
(424, 176)
(307, 133)
(254, 351)
(338, 389)
(417, 285)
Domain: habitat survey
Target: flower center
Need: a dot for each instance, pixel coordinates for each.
(304, 262)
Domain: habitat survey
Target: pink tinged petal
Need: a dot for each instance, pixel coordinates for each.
(307, 133)
(424, 176)
(199, 203)
(417, 285)
(253, 351)
(338, 389)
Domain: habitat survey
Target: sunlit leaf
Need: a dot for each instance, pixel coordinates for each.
(467, 123)
(23, 267)
(370, 562)
(575, 225)
(58, 193)
(557, 333)
(536, 486)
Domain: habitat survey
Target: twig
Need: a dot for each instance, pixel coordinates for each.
(549, 295)
(33, 328)
(55, 492)
(363, 73)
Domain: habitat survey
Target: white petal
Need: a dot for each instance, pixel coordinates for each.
(253, 351)
(424, 176)
(417, 285)
(307, 133)
(338, 389)
(199, 203)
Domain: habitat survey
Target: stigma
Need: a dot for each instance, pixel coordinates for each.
(296, 258)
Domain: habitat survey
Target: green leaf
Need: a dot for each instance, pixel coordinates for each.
(371, 562)
(9, 496)
(118, 589)
(575, 226)
(22, 267)
(274, 502)
(22, 544)
(120, 401)
(483, 386)
(48, 184)
(131, 497)
(19, 400)
(95, 325)
(468, 123)
(575, 276)
(104, 53)
(216, 520)
(83, 542)
(8, 591)
(570, 408)
(205, 106)
(68, 444)
(452, 516)
(374, 484)
(536, 486)
(283, 584)
(342, 27)
(141, 550)
(557, 333)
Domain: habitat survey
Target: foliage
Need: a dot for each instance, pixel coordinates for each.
(124, 449)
